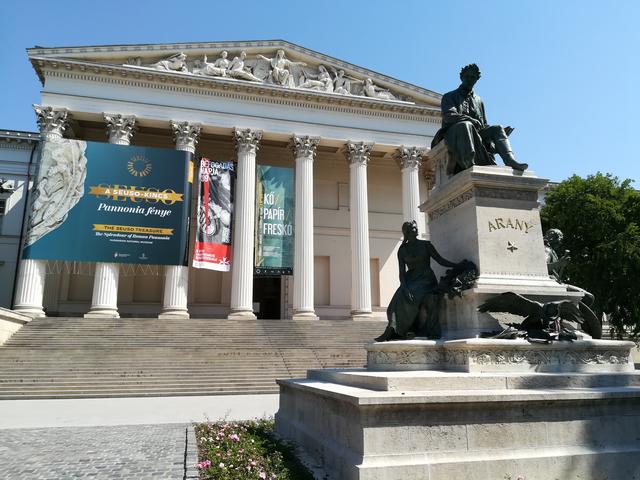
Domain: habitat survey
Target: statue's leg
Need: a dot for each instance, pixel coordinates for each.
(429, 311)
(390, 332)
(497, 135)
(421, 321)
(459, 137)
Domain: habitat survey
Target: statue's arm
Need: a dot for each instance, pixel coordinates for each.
(484, 115)
(403, 277)
(401, 268)
(450, 112)
(438, 258)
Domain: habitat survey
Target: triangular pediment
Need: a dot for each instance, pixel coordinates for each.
(276, 64)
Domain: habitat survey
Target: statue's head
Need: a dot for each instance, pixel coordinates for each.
(469, 75)
(553, 238)
(409, 230)
(224, 54)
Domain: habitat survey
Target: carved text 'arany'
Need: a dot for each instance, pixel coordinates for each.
(499, 223)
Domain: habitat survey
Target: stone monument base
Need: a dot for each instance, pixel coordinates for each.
(483, 355)
(365, 425)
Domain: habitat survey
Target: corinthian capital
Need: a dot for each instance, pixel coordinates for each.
(120, 128)
(409, 157)
(51, 121)
(247, 139)
(304, 146)
(358, 152)
(185, 135)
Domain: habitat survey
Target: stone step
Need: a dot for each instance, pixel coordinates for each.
(90, 358)
(17, 395)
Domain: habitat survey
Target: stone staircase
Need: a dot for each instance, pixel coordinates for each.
(85, 358)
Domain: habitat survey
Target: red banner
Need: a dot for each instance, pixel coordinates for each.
(215, 215)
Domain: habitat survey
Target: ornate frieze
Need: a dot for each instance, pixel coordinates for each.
(409, 157)
(51, 121)
(274, 69)
(304, 146)
(120, 128)
(485, 192)
(185, 135)
(451, 204)
(358, 152)
(405, 357)
(506, 194)
(548, 357)
(500, 356)
(247, 139)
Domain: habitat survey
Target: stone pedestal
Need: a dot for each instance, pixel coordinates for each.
(466, 407)
(363, 425)
(490, 215)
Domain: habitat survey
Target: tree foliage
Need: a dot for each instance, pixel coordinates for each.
(600, 218)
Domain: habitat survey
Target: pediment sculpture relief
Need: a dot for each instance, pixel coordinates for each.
(275, 70)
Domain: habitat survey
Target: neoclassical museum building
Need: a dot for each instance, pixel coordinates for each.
(356, 139)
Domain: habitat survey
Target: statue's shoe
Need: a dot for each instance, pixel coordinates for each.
(517, 165)
(387, 335)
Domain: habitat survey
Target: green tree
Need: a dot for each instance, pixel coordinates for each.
(600, 218)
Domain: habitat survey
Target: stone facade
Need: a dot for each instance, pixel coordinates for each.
(148, 93)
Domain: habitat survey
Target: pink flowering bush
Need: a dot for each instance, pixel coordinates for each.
(245, 451)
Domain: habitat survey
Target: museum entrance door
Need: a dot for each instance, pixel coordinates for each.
(266, 297)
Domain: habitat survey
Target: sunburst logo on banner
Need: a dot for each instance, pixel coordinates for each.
(139, 166)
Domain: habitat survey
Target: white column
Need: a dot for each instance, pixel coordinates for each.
(31, 274)
(304, 149)
(243, 222)
(104, 301)
(176, 279)
(409, 159)
(358, 157)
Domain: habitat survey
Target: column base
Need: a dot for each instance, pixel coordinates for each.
(28, 311)
(170, 314)
(305, 315)
(357, 315)
(241, 315)
(102, 312)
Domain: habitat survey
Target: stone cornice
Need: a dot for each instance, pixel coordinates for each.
(16, 144)
(197, 48)
(261, 93)
(19, 138)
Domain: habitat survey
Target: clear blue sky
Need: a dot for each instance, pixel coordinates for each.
(561, 72)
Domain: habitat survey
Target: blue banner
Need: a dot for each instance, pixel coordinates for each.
(98, 202)
(274, 221)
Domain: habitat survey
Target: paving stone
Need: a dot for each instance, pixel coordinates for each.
(107, 452)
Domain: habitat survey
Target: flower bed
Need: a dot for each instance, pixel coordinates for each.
(246, 451)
